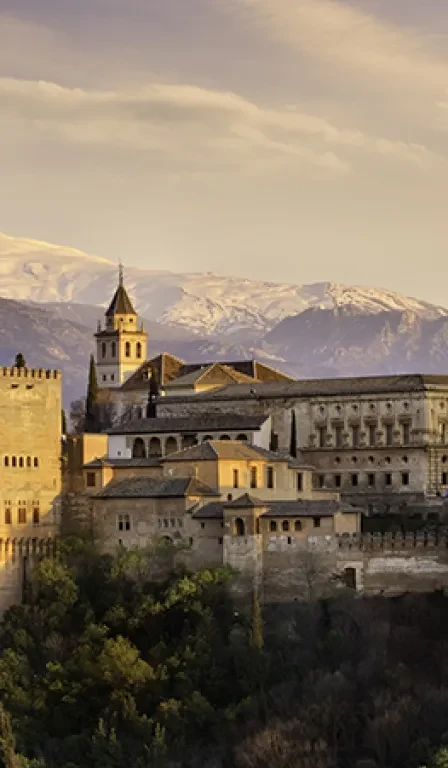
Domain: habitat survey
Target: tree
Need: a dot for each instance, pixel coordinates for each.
(293, 442)
(78, 415)
(257, 624)
(91, 420)
(20, 361)
(8, 757)
(151, 408)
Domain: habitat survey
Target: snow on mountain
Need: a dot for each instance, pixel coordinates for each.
(208, 305)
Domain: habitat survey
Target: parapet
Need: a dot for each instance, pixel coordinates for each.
(369, 542)
(31, 373)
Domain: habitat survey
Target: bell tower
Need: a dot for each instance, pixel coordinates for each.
(121, 343)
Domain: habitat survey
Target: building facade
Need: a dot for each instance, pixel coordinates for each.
(30, 469)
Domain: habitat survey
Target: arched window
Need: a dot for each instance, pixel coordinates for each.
(139, 349)
(207, 437)
(14, 461)
(188, 441)
(242, 437)
(28, 461)
(20, 461)
(127, 349)
(171, 445)
(285, 525)
(273, 526)
(6, 461)
(155, 447)
(297, 525)
(36, 461)
(239, 527)
(103, 349)
(138, 449)
(253, 477)
(113, 349)
(224, 437)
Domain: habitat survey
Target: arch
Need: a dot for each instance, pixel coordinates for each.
(242, 437)
(239, 527)
(225, 437)
(297, 525)
(113, 349)
(188, 441)
(207, 437)
(139, 449)
(138, 349)
(103, 349)
(155, 447)
(285, 525)
(127, 349)
(171, 445)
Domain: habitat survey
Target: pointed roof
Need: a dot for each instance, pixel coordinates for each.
(246, 500)
(121, 303)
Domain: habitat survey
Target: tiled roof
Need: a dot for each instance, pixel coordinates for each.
(308, 508)
(353, 386)
(224, 449)
(206, 372)
(212, 510)
(201, 422)
(108, 462)
(156, 488)
(246, 500)
(163, 367)
(120, 304)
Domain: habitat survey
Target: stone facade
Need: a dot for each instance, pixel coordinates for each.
(382, 442)
(30, 467)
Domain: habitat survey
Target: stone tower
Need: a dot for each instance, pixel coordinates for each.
(121, 344)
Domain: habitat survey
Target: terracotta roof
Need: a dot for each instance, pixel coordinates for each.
(156, 488)
(225, 449)
(108, 462)
(210, 511)
(121, 303)
(163, 367)
(246, 500)
(206, 372)
(201, 422)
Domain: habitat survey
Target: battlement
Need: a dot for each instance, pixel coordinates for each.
(392, 542)
(31, 373)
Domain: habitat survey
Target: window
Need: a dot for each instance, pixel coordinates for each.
(91, 479)
(36, 461)
(389, 434)
(6, 461)
(21, 516)
(316, 522)
(442, 432)
(139, 448)
(406, 433)
(372, 434)
(239, 527)
(339, 437)
(139, 349)
(355, 481)
(113, 349)
(371, 480)
(124, 522)
(270, 477)
(289, 539)
(299, 482)
(355, 436)
(388, 478)
(112, 376)
(297, 525)
(236, 478)
(321, 481)
(444, 478)
(285, 525)
(253, 477)
(202, 525)
(220, 540)
(14, 461)
(272, 526)
(104, 377)
(242, 437)
(322, 432)
(337, 481)
(20, 461)
(28, 461)
(229, 497)
(127, 349)
(103, 350)
(8, 513)
(405, 478)
(165, 523)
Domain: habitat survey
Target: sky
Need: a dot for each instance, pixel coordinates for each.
(285, 140)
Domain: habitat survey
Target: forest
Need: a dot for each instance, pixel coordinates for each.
(107, 665)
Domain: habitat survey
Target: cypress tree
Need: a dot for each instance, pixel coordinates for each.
(63, 422)
(293, 442)
(91, 421)
(257, 638)
(19, 361)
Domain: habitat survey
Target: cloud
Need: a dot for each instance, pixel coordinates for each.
(344, 35)
(191, 127)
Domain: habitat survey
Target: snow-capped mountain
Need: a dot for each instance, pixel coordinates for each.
(207, 305)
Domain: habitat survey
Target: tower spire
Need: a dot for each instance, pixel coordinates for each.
(120, 273)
